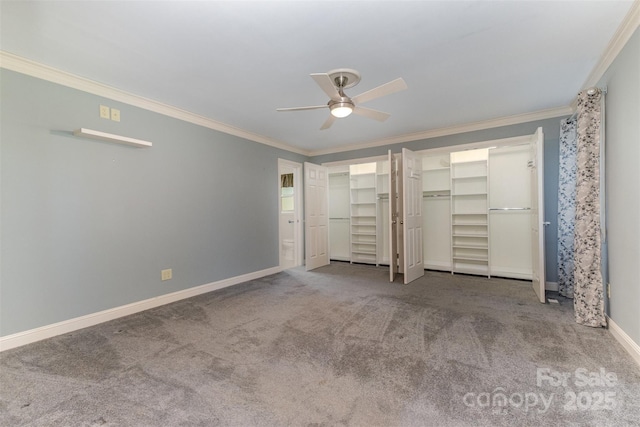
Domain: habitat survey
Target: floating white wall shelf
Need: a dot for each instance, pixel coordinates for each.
(103, 136)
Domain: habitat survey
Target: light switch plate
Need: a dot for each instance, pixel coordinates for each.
(104, 112)
(115, 115)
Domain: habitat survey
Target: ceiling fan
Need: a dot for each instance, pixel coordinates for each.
(340, 105)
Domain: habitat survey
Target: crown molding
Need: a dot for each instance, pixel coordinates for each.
(22, 65)
(25, 66)
(452, 130)
(626, 29)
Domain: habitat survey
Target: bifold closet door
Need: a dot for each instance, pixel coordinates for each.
(510, 212)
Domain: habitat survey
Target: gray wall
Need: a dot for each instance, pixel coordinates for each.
(551, 129)
(622, 154)
(88, 225)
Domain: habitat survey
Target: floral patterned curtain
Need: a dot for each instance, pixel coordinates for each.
(566, 205)
(588, 281)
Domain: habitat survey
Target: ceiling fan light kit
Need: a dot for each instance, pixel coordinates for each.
(340, 105)
(341, 109)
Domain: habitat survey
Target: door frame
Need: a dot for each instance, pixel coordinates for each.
(298, 233)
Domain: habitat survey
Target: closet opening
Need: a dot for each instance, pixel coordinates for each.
(482, 209)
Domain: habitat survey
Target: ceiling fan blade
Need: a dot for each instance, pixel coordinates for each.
(372, 114)
(327, 124)
(314, 107)
(383, 90)
(324, 81)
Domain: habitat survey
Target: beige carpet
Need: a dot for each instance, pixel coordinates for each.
(336, 346)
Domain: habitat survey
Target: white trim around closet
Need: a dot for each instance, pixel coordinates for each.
(516, 140)
(355, 161)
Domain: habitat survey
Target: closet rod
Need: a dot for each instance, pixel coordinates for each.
(436, 195)
(509, 209)
(340, 218)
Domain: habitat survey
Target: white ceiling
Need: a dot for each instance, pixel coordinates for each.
(235, 62)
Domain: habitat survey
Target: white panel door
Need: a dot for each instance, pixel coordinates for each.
(393, 219)
(316, 202)
(399, 215)
(412, 215)
(537, 214)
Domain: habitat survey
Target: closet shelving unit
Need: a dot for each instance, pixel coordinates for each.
(469, 213)
(364, 205)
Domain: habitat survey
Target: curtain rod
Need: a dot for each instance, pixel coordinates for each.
(591, 91)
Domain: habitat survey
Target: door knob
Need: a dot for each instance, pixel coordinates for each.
(291, 221)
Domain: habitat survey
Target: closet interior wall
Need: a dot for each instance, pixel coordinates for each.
(339, 217)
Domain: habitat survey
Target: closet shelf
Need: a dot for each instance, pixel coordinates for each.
(470, 258)
(470, 213)
(485, 247)
(468, 194)
(468, 162)
(470, 235)
(469, 177)
(362, 252)
(469, 223)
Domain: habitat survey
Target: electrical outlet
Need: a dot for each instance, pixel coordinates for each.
(115, 115)
(104, 112)
(166, 274)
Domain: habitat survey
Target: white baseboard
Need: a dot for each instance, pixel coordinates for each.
(23, 338)
(625, 340)
(551, 286)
